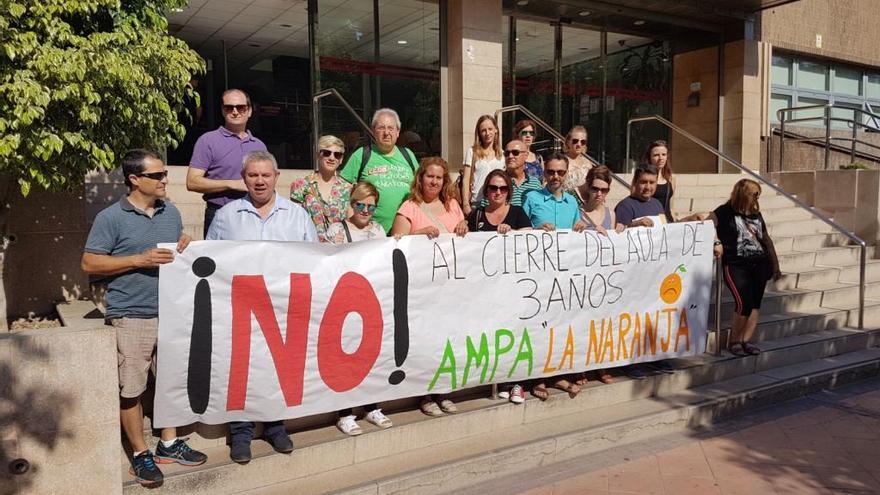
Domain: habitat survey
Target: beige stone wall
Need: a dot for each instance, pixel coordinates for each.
(474, 72)
(59, 397)
(701, 121)
(848, 29)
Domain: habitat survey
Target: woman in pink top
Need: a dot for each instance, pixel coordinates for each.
(432, 208)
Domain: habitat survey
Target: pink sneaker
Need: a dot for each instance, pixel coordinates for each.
(517, 394)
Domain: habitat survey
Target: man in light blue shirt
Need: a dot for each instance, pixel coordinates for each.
(262, 215)
(552, 208)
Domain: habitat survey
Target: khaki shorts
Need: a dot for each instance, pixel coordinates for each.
(136, 353)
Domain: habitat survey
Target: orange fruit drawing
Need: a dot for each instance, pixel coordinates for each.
(670, 288)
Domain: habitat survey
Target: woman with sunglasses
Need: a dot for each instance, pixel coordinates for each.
(359, 227)
(324, 194)
(525, 132)
(498, 215)
(578, 165)
(657, 154)
(591, 196)
(480, 159)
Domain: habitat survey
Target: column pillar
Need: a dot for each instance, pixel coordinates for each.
(471, 79)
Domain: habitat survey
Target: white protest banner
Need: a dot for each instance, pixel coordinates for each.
(270, 330)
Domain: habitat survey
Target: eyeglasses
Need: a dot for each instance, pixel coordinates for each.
(336, 154)
(512, 152)
(493, 188)
(597, 190)
(154, 175)
(526, 133)
(579, 141)
(237, 108)
(362, 207)
(551, 173)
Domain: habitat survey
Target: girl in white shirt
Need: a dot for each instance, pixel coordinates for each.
(480, 159)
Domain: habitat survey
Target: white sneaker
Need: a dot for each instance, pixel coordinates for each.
(517, 394)
(349, 426)
(504, 394)
(377, 418)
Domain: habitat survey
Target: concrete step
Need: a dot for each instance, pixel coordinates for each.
(809, 242)
(776, 302)
(839, 294)
(796, 227)
(705, 203)
(512, 438)
(708, 179)
(414, 429)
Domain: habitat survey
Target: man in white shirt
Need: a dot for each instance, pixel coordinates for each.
(262, 215)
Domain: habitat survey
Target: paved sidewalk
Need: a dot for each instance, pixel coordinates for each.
(826, 443)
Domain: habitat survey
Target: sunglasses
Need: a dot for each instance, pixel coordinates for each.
(336, 154)
(493, 188)
(512, 152)
(551, 173)
(526, 133)
(597, 190)
(154, 175)
(237, 108)
(362, 207)
(579, 141)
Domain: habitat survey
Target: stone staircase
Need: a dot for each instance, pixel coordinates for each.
(807, 332)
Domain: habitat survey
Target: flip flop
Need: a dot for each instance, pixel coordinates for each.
(605, 377)
(582, 380)
(540, 391)
(567, 386)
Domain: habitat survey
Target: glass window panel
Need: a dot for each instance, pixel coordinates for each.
(847, 81)
(812, 75)
(535, 88)
(816, 113)
(844, 113)
(780, 72)
(777, 102)
(873, 88)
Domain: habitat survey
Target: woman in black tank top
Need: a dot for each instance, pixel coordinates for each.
(658, 155)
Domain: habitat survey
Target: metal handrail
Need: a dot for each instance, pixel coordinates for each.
(863, 247)
(800, 138)
(316, 116)
(827, 118)
(553, 132)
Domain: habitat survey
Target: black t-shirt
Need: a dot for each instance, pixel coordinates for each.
(516, 218)
(740, 235)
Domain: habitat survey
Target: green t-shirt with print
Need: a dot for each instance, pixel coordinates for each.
(390, 174)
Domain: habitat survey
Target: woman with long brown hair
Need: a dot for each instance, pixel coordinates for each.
(748, 260)
(526, 130)
(657, 154)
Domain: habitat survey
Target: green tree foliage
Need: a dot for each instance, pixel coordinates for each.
(83, 80)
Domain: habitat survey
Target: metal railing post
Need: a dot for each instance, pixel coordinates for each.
(718, 335)
(626, 156)
(855, 137)
(781, 143)
(862, 262)
(827, 135)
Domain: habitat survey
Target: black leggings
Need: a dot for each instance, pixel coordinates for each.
(747, 280)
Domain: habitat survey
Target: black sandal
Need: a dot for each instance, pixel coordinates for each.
(738, 352)
(751, 349)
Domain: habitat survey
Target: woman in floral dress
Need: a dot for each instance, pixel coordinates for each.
(323, 193)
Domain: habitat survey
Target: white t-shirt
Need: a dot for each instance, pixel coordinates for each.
(336, 232)
(479, 173)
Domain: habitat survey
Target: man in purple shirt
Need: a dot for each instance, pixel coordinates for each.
(215, 167)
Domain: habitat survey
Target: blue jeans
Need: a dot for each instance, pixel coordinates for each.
(243, 431)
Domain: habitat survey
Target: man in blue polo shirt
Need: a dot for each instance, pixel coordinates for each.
(552, 208)
(262, 215)
(122, 247)
(215, 167)
(640, 208)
